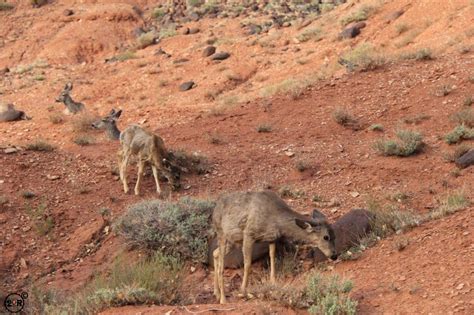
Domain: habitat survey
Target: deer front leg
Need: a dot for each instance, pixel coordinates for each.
(123, 171)
(141, 168)
(247, 253)
(272, 262)
(155, 175)
(215, 254)
(220, 263)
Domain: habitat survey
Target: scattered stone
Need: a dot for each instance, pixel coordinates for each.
(460, 286)
(52, 177)
(254, 29)
(194, 17)
(181, 60)
(68, 12)
(290, 153)
(4, 70)
(465, 160)
(186, 86)
(23, 263)
(354, 194)
(185, 31)
(10, 150)
(220, 56)
(349, 32)
(208, 51)
(193, 30)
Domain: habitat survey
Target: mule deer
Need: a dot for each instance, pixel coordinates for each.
(64, 97)
(149, 148)
(248, 217)
(9, 113)
(109, 124)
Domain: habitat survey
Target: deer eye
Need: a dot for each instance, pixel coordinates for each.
(326, 238)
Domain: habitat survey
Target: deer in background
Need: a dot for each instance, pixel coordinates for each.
(247, 217)
(64, 97)
(9, 113)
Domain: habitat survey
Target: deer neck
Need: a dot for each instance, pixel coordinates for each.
(113, 132)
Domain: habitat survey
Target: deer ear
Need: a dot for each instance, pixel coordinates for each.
(117, 114)
(112, 111)
(68, 86)
(304, 225)
(318, 215)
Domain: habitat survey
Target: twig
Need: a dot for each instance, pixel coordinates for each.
(209, 310)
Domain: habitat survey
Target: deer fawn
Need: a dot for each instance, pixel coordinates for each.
(247, 217)
(64, 97)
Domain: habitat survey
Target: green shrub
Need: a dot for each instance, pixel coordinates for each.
(330, 295)
(179, 229)
(459, 134)
(146, 39)
(409, 143)
(459, 151)
(361, 14)
(310, 33)
(422, 54)
(376, 127)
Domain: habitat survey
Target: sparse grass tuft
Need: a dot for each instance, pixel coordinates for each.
(343, 117)
(361, 14)
(83, 122)
(168, 31)
(443, 90)
(310, 33)
(264, 128)
(401, 28)
(363, 58)
(459, 134)
(415, 120)
(28, 194)
(158, 13)
(453, 203)
(40, 145)
(83, 140)
(409, 143)
(56, 118)
(42, 220)
(194, 163)
(294, 88)
(126, 56)
(464, 117)
(302, 166)
(468, 101)
(146, 39)
(422, 54)
(288, 192)
(459, 151)
(180, 229)
(4, 6)
(376, 127)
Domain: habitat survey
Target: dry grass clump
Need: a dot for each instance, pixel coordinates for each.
(459, 151)
(363, 58)
(83, 122)
(40, 145)
(361, 14)
(344, 118)
(464, 117)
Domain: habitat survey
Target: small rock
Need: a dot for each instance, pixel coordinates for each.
(186, 86)
(354, 194)
(193, 269)
(10, 150)
(194, 17)
(185, 31)
(68, 12)
(460, 286)
(290, 153)
(193, 30)
(349, 32)
(23, 263)
(220, 56)
(254, 29)
(208, 51)
(4, 70)
(52, 177)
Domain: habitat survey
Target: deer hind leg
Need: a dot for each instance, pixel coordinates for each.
(141, 168)
(222, 245)
(272, 248)
(123, 169)
(155, 175)
(247, 253)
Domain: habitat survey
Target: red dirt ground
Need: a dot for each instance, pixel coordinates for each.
(434, 274)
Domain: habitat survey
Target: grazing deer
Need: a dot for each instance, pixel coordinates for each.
(149, 148)
(248, 217)
(9, 113)
(109, 124)
(64, 97)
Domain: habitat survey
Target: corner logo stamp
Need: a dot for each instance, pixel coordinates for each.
(15, 302)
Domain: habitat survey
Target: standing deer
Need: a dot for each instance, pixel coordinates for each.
(247, 217)
(149, 148)
(64, 97)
